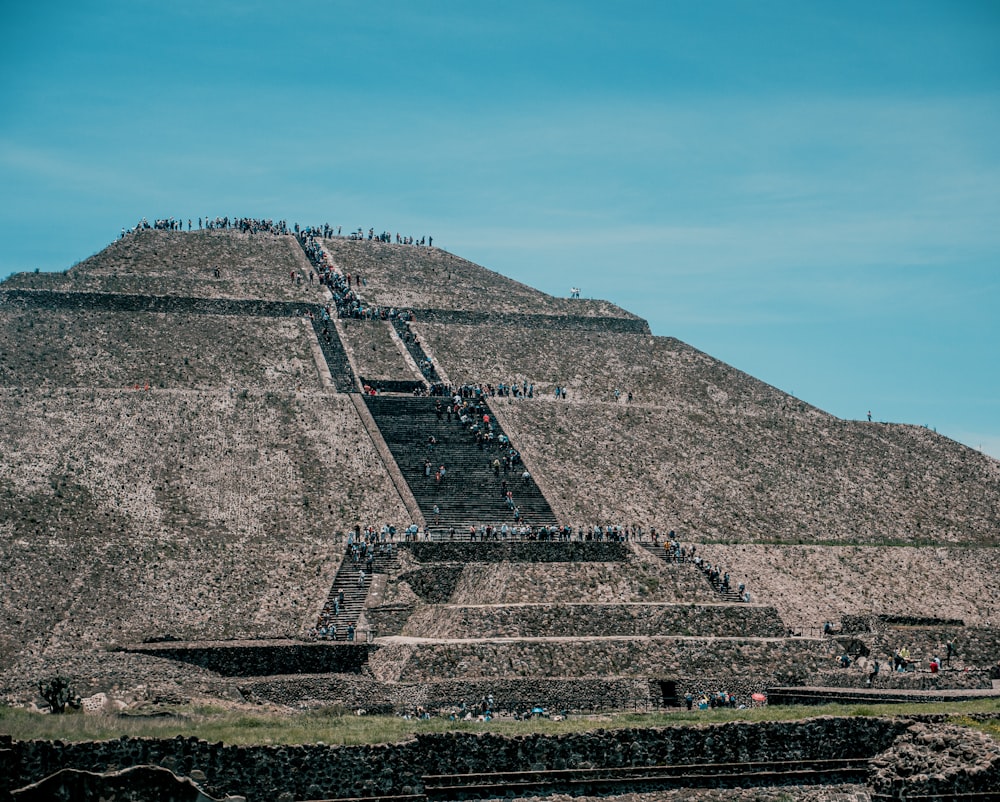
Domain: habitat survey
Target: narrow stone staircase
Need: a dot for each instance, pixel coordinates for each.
(730, 595)
(469, 494)
(415, 349)
(355, 587)
(334, 353)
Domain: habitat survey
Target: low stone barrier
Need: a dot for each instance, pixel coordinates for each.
(317, 771)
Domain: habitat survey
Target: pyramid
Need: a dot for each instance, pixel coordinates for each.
(202, 427)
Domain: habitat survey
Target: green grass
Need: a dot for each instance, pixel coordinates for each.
(329, 726)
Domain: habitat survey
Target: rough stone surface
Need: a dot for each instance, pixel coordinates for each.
(928, 760)
(588, 620)
(181, 263)
(136, 784)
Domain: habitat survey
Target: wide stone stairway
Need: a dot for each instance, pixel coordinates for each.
(469, 494)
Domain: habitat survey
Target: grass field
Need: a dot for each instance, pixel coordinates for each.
(336, 726)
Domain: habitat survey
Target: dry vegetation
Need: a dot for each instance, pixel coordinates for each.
(411, 277)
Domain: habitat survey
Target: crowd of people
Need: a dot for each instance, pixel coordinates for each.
(245, 225)
(712, 701)
(387, 237)
(254, 225)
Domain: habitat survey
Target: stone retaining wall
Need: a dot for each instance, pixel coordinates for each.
(118, 302)
(778, 661)
(581, 620)
(394, 385)
(389, 619)
(922, 680)
(315, 771)
(976, 646)
(619, 325)
(264, 659)
(435, 584)
(528, 551)
(510, 695)
(864, 622)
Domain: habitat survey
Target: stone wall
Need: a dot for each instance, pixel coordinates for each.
(582, 620)
(778, 661)
(434, 585)
(510, 695)
(974, 646)
(389, 619)
(923, 680)
(617, 325)
(262, 659)
(119, 302)
(393, 385)
(518, 551)
(315, 771)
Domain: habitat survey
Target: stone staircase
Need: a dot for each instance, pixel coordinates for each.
(334, 353)
(470, 494)
(730, 595)
(355, 588)
(416, 351)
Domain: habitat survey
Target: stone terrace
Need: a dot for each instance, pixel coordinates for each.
(813, 584)
(548, 620)
(591, 620)
(179, 263)
(763, 660)
(64, 348)
(712, 451)
(640, 577)
(660, 371)
(715, 473)
(411, 277)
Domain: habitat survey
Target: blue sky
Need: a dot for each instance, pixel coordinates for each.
(808, 191)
